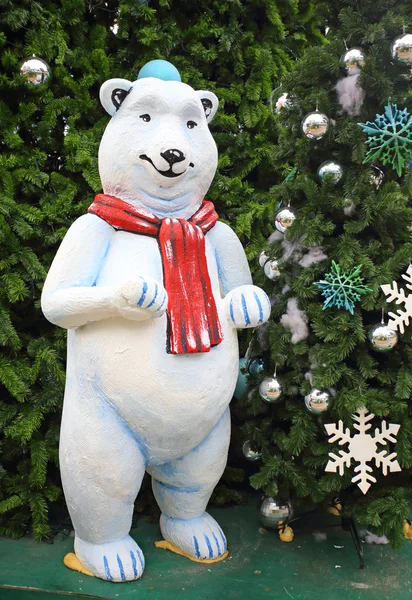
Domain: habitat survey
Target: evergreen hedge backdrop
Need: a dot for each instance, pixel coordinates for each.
(49, 137)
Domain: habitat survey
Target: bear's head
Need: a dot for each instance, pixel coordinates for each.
(157, 151)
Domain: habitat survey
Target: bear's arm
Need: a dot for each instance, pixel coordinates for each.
(70, 297)
(231, 259)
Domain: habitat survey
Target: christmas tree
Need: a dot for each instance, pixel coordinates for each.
(337, 228)
(51, 125)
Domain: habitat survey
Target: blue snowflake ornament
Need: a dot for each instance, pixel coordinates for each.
(342, 289)
(390, 138)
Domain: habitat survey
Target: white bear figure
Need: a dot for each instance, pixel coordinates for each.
(131, 405)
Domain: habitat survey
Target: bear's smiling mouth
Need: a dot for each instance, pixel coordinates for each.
(169, 172)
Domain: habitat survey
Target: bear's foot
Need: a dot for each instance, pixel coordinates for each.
(200, 539)
(115, 561)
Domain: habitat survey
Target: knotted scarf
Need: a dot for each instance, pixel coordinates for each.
(192, 315)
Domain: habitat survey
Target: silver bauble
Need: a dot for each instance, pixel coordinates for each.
(256, 366)
(35, 70)
(353, 59)
(284, 219)
(382, 337)
(315, 125)
(401, 48)
(317, 401)
(250, 452)
(279, 99)
(270, 389)
(263, 258)
(330, 170)
(376, 176)
(274, 512)
(271, 269)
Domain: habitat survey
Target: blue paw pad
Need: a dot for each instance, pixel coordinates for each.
(119, 562)
(217, 544)
(106, 569)
(209, 545)
(222, 535)
(134, 564)
(196, 544)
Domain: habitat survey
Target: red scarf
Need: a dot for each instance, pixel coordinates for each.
(193, 319)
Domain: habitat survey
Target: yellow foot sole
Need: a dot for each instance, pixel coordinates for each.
(207, 561)
(72, 562)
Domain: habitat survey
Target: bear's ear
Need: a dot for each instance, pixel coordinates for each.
(210, 103)
(112, 94)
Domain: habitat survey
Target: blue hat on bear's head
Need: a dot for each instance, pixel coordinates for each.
(161, 69)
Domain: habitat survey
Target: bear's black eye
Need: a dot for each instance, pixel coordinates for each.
(191, 124)
(146, 118)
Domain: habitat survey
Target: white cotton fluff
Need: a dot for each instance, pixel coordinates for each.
(309, 377)
(349, 210)
(275, 237)
(291, 250)
(294, 320)
(314, 256)
(319, 536)
(350, 94)
(371, 538)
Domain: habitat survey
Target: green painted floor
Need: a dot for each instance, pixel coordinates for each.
(259, 567)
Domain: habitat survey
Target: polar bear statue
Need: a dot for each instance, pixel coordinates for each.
(151, 288)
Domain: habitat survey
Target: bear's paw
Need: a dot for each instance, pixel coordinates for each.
(247, 306)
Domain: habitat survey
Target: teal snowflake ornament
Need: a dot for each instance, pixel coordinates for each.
(390, 138)
(342, 289)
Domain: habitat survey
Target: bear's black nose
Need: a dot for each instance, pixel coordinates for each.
(173, 156)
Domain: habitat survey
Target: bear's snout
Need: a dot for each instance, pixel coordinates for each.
(173, 156)
(169, 157)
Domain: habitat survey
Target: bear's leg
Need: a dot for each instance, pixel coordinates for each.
(182, 489)
(102, 467)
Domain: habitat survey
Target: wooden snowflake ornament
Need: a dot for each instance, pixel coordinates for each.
(362, 449)
(403, 316)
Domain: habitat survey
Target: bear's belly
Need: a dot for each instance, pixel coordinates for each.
(169, 402)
